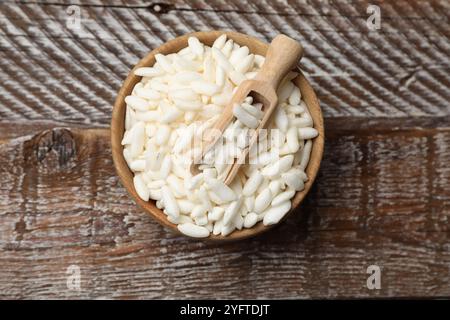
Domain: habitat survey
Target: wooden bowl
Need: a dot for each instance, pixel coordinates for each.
(118, 123)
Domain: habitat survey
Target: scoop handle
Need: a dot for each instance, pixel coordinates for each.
(283, 54)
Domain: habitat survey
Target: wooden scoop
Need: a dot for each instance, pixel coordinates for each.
(283, 54)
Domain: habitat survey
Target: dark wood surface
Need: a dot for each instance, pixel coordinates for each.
(382, 195)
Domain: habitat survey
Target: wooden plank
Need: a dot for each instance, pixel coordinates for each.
(398, 71)
(381, 198)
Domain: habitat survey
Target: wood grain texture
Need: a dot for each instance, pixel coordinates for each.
(364, 209)
(401, 70)
(382, 195)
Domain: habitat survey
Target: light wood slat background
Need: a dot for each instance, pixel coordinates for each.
(382, 196)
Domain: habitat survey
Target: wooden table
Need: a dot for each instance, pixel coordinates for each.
(382, 196)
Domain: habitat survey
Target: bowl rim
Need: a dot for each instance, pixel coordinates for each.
(117, 130)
